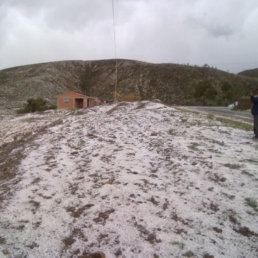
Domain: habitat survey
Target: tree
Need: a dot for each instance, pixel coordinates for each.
(226, 89)
(204, 90)
(34, 105)
(86, 81)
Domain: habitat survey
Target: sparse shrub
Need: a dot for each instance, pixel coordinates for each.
(235, 124)
(199, 123)
(171, 131)
(205, 91)
(52, 107)
(86, 81)
(129, 97)
(227, 92)
(183, 119)
(34, 105)
(210, 116)
(179, 244)
(252, 203)
(81, 144)
(232, 166)
(194, 146)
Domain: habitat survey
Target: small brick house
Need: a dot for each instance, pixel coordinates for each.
(244, 103)
(74, 100)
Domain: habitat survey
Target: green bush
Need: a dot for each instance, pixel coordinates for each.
(210, 116)
(227, 92)
(34, 105)
(252, 203)
(204, 90)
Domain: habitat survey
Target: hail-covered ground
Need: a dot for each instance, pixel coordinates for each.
(128, 180)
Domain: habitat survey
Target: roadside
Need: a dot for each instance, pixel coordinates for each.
(226, 112)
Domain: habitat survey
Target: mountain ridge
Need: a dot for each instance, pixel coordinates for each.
(250, 73)
(137, 80)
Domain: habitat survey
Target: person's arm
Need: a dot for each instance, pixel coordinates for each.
(254, 99)
(252, 96)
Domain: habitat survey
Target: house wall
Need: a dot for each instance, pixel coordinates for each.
(244, 103)
(67, 101)
(62, 104)
(92, 102)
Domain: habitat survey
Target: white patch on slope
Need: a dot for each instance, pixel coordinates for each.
(138, 180)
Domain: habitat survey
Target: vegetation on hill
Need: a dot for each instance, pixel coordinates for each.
(171, 83)
(204, 91)
(34, 105)
(250, 73)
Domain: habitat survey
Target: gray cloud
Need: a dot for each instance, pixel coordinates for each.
(221, 33)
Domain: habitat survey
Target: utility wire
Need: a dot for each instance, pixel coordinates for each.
(114, 29)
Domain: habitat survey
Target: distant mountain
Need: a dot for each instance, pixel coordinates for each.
(171, 83)
(250, 73)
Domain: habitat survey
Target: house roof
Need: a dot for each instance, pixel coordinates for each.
(72, 94)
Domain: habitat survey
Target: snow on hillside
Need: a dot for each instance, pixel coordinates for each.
(134, 180)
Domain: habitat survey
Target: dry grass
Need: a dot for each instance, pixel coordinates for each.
(12, 154)
(235, 124)
(252, 203)
(10, 158)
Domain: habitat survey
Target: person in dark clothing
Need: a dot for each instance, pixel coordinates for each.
(254, 110)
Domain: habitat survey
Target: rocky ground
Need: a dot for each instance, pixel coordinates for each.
(129, 180)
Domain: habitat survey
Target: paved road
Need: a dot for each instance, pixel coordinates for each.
(225, 111)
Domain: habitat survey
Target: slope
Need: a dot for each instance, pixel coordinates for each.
(133, 180)
(250, 73)
(171, 83)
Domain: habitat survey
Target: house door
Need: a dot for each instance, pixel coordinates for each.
(78, 103)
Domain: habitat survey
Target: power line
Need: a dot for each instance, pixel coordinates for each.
(114, 28)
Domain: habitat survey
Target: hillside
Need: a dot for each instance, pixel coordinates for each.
(251, 73)
(137, 179)
(171, 83)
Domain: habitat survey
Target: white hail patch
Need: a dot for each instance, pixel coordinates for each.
(134, 180)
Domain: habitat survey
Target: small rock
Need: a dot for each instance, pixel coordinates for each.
(188, 254)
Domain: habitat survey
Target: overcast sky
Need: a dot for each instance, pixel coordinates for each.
(220, 33)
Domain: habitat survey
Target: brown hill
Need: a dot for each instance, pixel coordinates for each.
(171, 83)
(250, 73)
